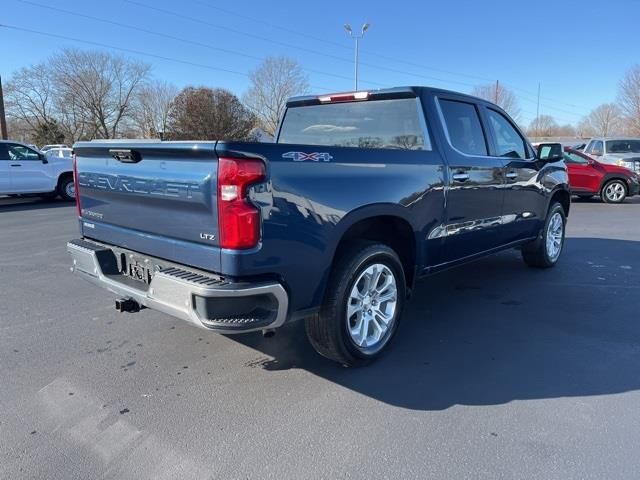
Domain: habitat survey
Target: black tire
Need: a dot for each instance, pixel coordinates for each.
(65, 187)
(536, 254)
(328, 330)
(616, 185)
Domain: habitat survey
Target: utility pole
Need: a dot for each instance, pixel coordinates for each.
(538, 113)
(3, 119)
(497, 88)
(357, 38)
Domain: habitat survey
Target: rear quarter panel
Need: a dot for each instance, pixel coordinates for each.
(308, 205)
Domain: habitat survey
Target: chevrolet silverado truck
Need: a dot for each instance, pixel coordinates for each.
(25, 171)
(361, 195)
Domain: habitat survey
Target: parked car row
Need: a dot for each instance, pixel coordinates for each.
(589, 177)
(606, 167)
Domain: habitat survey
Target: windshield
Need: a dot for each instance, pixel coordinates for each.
(623, 146)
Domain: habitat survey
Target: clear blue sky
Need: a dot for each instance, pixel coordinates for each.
(577, 50)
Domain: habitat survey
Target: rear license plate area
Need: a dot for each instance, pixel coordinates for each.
(137, 268)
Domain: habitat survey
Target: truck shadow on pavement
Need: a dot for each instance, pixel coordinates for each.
(17, 204)
(496, 331)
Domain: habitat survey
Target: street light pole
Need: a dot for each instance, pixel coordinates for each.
(357, 38)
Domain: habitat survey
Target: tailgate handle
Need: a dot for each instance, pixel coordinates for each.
(125, 155)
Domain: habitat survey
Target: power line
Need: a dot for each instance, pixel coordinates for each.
(297, 47)
(381, 56)
(171, 37)
(232, 52)
(130, 50)
(548, 107)
(271, 25)
(233, 30)
(156, 56)
(340, 45)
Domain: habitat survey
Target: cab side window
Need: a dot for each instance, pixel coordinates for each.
(463, 126)
(509, 142)
(20, 152)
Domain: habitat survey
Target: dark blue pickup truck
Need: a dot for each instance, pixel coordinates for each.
(360, 196)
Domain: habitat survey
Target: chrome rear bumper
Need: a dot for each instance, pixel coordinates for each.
(203, 299)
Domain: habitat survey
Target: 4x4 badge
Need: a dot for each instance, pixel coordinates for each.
(303, 157)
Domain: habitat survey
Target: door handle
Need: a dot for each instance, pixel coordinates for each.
(460, 177)
(16, 164)
(511, 175)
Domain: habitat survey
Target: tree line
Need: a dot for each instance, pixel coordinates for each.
(87, 94)
(621, 117)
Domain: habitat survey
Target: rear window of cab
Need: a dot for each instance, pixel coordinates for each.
(387, 124)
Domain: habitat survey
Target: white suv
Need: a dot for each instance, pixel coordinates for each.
(24, 170)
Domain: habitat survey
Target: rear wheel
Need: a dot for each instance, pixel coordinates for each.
(362, 306)
(544, 252)
(66, 188)
(614, 191)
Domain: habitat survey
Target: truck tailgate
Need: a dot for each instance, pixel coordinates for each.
(151, 197)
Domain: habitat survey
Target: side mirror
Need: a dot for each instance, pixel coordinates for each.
(550, 152)
(597, 153)
(43, 158)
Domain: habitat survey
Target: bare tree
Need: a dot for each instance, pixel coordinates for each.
(102, 85)
(73, 119)
(209, 114)
(584, 128)
(272, 83)
(501, 96)
(153, 107)
(543, 126)
(20, 130)
(29, 96)
(629, 99)
(566, 130)
(603, 121)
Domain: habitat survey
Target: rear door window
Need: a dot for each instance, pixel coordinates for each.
(463, 127)
(509, 143)
(394, 124)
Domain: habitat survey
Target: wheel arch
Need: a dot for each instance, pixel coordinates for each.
(63, 175)
(613, 176)
(563, 197)
(387, 224)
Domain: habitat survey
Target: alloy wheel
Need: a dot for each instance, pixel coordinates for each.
(371, 307)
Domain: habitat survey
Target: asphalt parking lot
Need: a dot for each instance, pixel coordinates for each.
(498, 371)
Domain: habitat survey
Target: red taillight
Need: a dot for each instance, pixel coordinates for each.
(76, 186)
(238, 219)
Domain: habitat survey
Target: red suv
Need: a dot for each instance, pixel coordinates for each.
(588, 177)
